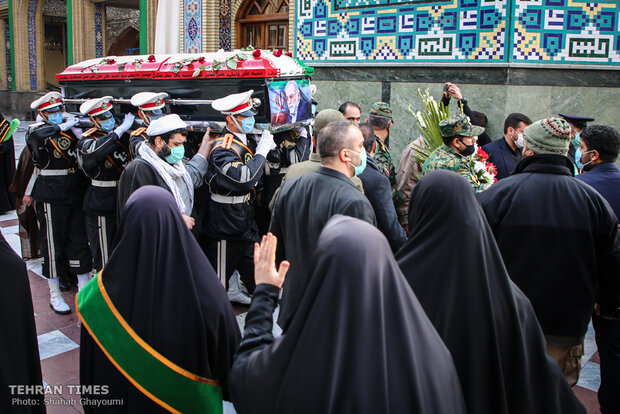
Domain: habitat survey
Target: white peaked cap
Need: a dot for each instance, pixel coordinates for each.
(234, 104)
(149, 101)
(97, 106)
(48, 101)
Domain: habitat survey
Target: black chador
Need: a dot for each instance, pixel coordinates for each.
(358, 343)
(453, 264)
(176, 346)
(19, 353)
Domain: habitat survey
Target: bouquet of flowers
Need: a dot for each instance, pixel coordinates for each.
(428, 122)
(485, 170)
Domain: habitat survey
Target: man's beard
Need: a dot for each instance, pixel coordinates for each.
(164, 152)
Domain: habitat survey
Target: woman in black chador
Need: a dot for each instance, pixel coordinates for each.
(19, 353)
(158, 329)
(456, 270)
(359, 341)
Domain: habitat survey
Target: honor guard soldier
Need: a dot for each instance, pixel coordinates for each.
(58, 193)
(150, 107)
(236, 164)
(104, 153)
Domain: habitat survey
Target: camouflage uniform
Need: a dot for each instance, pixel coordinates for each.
(446, 158)
(382, 156)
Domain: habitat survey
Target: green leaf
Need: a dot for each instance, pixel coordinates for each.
(196, 73)
(217, 65)
(231, 63)
(138, 65)
(121, 67)
(241, 56)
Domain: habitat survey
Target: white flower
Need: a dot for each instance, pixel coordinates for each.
(420, 120)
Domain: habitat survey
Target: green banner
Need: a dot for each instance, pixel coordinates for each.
(164, 382)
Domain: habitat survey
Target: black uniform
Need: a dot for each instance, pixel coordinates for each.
(103, 156)
(58, 193)
(292, 146)
(229, 231)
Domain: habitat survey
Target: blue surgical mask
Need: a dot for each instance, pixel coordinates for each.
(358, 169)
(578, 155)
(576, 141)
(107, 125)
(176, 154)
(247, 125)
(55, 118)
(157, 113)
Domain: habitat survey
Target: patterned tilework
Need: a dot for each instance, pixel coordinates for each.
(7, 53)
(555, 31)
(32, 43)
(192, 27)
(225, 20)
(99, 30)
(401, 30)
(566, 31)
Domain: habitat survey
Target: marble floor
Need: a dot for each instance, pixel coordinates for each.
(59, 336)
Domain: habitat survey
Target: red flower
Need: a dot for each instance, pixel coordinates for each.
(256, 53)
(482, 155)
(111, 61)
(201, 59)
(151, 58)
(289, 54)
(277, 52)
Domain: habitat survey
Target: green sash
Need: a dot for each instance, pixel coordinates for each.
(164, 382)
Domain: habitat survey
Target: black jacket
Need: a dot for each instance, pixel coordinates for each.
(379, 192)
(559, 240)
(302, 209)
(55, 150)
(504, 158)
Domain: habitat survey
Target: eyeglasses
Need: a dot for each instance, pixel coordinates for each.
(104, 116)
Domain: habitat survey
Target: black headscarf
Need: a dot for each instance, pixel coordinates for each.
(358, 343)
(456, 270)
(165, 288)
(19, 351)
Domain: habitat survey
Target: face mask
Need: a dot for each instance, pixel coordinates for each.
(247, 125)
(55, 118)
(176, 154)
(358, 169)
(107, 125)
(578, 155)
(469, 149)
(576, 141)
(520, 141)
(155, 114)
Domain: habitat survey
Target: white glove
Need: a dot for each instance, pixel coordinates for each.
(265, 144)
(124, 127)
(69, 123)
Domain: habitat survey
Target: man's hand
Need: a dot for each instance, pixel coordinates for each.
(206, 143)
(189, 221)
(69, 123)
(127, 123)
(27, 200)
(454, 91)
(265, 263)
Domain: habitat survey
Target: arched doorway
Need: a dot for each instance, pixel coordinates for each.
(264, 24)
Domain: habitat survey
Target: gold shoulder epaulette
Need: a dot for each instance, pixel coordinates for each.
(89, 132)
(228, 140)
(138, 131)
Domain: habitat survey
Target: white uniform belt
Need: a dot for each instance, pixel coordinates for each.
(230, 199)
(57, 172)
(99, 183)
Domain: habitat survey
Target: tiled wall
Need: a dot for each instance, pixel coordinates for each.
(555, 31)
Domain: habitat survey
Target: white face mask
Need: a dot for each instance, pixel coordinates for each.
(520, 141)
